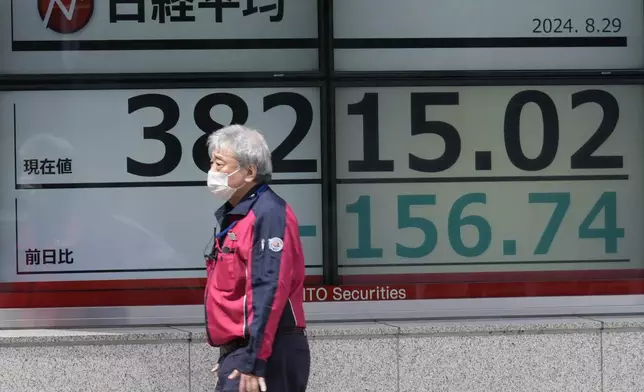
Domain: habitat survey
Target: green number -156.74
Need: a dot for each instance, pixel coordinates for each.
(607, 203)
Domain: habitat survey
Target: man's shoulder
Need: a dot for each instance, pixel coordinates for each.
(272, 207)
(269, 203)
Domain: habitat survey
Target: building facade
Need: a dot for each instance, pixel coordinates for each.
(445, 159)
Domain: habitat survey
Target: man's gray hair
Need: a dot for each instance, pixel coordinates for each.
(247, 146)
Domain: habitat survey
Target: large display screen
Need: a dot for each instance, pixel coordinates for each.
(523, 190)
(111, 184)
(422, 35)
(483, 179)
(143, 36)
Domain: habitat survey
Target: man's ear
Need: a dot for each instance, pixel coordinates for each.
(252, 173)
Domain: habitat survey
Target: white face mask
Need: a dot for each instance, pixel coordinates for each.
(218, 184)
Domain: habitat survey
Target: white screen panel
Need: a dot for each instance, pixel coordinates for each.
(421, 35)
(481, 179)
(72, 210)
(114, 36)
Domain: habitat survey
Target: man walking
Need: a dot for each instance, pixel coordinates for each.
(255, 272)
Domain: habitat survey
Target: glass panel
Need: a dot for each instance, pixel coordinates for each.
(108, 186)
(137, 36)
(427, 35)
(505, 184)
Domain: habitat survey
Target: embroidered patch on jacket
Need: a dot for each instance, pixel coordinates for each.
(275, 244)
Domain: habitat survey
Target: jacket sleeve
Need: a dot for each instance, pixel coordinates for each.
(270, 270)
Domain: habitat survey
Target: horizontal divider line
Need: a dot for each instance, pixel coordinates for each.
(124, 270)
(313, 43)
(166, 44)
(150, 184)
(550, 275)
(345, 77)
(479, 42)
(310, 181)
(116, 284)
(117, 289)
(447, 264)
(340, 80)
(583, 177)
(111, 271)
(224, 79)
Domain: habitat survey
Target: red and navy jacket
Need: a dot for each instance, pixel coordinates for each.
(255, 277)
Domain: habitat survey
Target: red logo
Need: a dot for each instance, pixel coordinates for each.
(65, 16)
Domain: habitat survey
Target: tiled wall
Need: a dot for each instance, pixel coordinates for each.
(580, 355)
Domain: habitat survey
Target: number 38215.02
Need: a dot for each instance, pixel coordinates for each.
(606, 203)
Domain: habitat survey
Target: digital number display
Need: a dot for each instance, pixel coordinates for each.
(159, 135)
(469, 179)
(114, 36)
(491, 35)
(111, 184)
(567, 26)
(299, 104)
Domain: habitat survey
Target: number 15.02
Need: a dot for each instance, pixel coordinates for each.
(456, 220)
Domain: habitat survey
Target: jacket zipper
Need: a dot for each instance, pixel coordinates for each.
(292, 312)
(245, 327)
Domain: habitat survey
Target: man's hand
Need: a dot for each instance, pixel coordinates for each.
(249, 382)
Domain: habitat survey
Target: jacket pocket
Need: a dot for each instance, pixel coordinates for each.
(227, 272)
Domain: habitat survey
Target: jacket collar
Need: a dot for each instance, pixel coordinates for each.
(244, 205)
